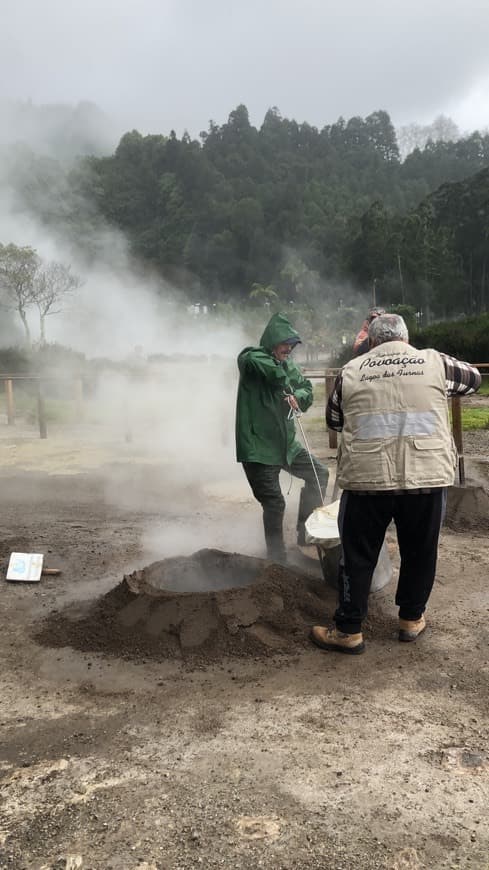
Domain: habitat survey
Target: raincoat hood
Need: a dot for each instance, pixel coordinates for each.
(278, 330)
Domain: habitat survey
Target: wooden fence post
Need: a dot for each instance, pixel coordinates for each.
(9, 396)
(41, 411)
(458, 436)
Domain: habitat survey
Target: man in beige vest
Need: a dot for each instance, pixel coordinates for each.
(396, 458)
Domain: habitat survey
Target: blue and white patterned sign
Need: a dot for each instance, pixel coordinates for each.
(25, 567)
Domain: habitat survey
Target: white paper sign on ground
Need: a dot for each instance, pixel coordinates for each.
(25, 567)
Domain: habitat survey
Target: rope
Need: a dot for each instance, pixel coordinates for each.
(297, 415)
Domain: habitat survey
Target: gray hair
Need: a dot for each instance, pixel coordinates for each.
(387, 327)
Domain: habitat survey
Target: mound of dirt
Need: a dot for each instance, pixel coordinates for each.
(467, 508)
(204, 606)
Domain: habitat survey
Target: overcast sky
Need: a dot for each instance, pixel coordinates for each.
(158, 64)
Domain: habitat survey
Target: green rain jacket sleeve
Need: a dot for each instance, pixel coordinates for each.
(301, 388)
(287, 378)
(257, 361)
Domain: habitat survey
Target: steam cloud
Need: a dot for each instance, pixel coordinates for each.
(172, 402)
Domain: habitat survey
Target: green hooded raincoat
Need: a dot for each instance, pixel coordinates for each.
(263, 433)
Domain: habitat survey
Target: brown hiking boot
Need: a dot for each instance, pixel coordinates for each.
(410, 629)
(333, 639)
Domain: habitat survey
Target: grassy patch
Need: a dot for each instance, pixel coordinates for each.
(319, 390)
(314, 422)
(25, 405)
(475, 418)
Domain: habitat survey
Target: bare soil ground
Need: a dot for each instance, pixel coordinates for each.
(283, 758)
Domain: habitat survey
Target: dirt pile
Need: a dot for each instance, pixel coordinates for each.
(467, 508)
(203, 607)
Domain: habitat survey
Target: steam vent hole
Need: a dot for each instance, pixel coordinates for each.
(206, 571)
(201, 607)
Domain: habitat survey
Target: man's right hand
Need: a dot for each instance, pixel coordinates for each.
(292, 402)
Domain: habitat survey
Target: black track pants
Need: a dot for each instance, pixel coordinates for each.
(363, 519)
(265, 484)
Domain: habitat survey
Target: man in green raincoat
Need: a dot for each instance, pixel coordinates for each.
(271, 387)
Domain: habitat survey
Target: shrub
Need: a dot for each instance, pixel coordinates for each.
(466, 339)
(14, 361)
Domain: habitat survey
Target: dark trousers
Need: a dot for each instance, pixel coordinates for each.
(363, 519)
(264, 482)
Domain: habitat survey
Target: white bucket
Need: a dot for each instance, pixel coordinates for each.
(322, 530)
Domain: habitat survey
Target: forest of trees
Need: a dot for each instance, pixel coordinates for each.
(285, 211)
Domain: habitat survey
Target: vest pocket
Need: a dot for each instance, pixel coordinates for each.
(366, 465)
(429, 444)
(430, 462)
(366, 446)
